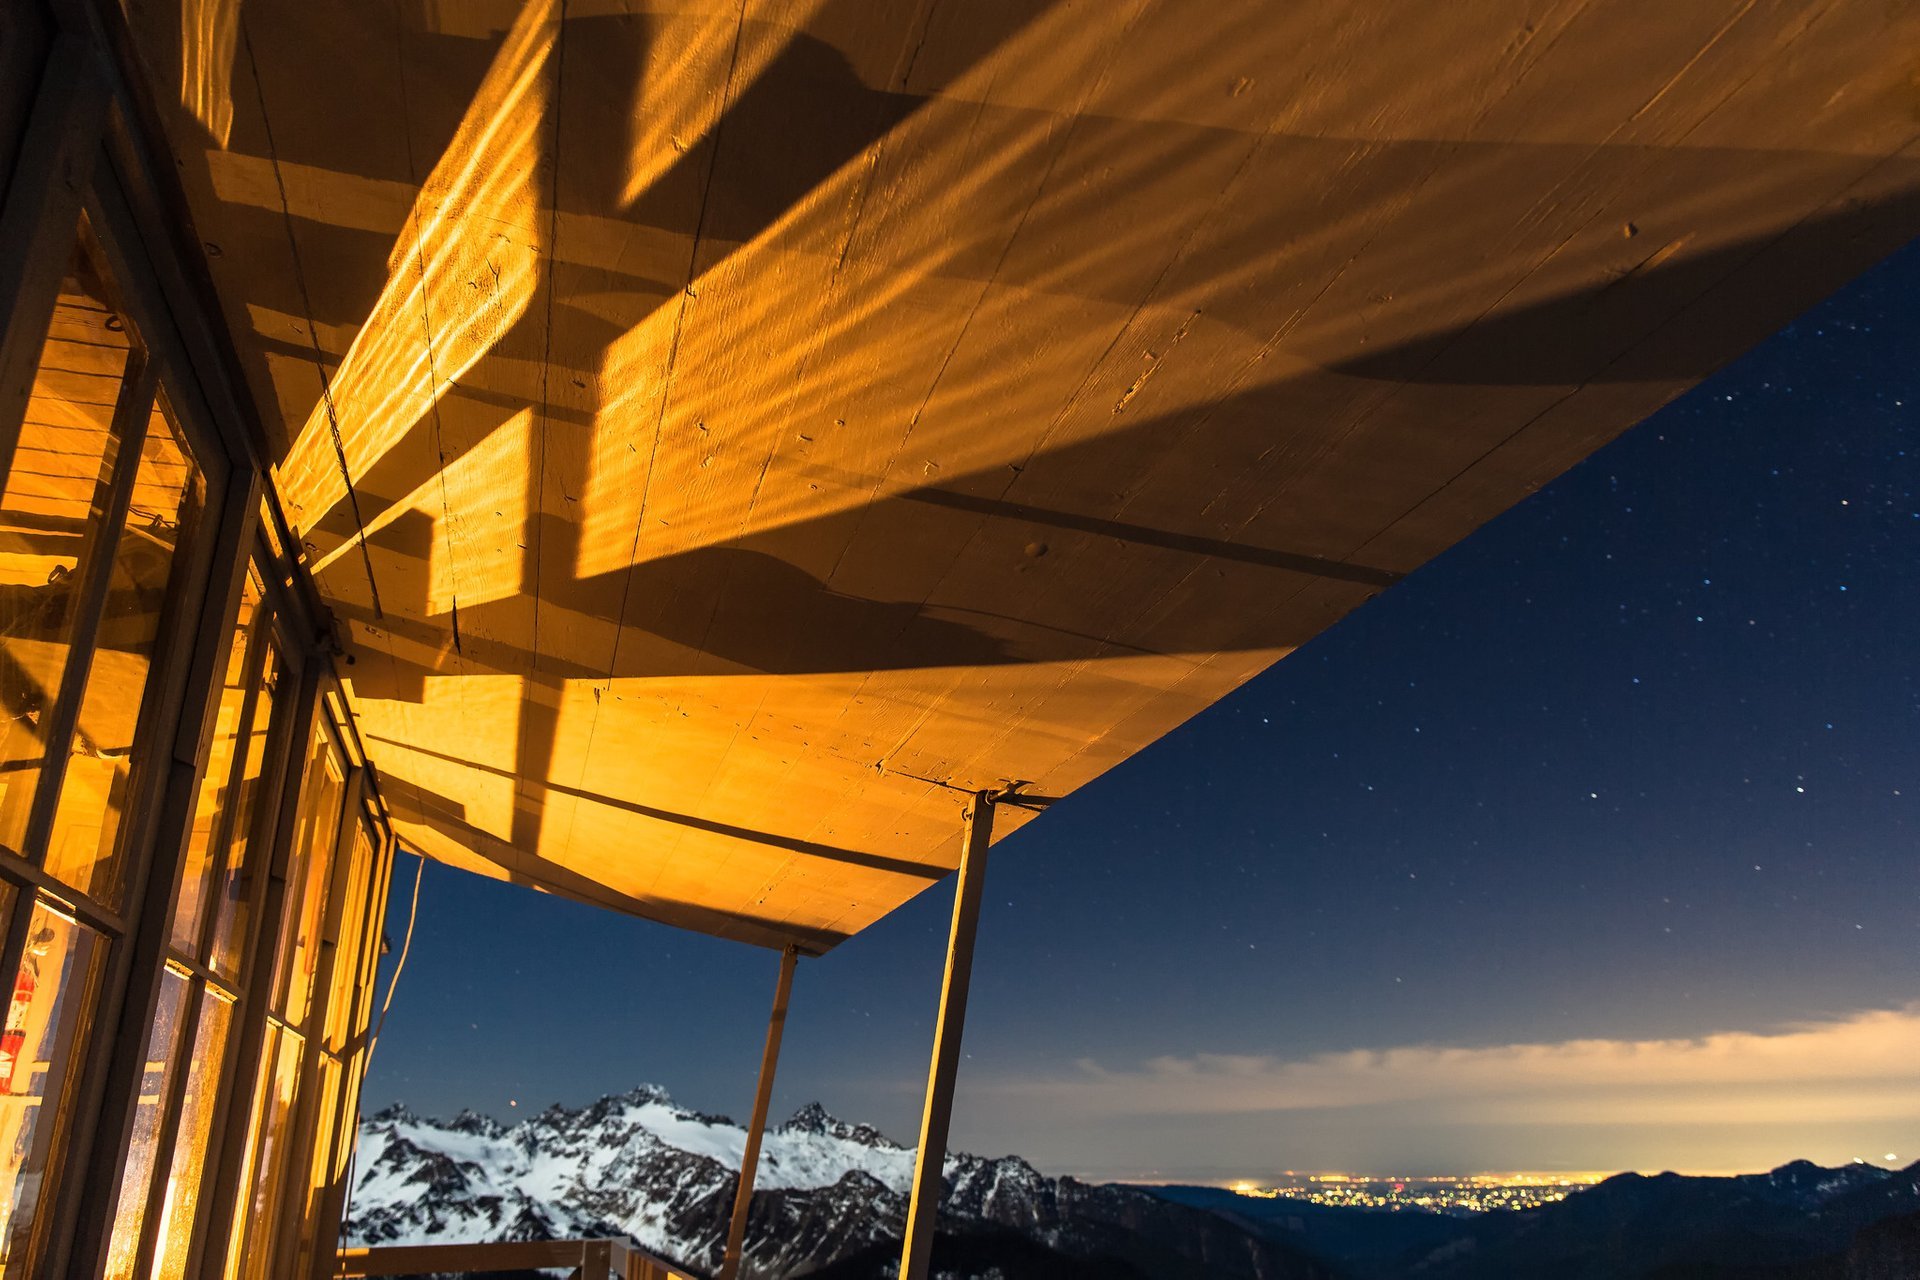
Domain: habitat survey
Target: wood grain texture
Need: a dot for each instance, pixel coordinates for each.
(759, 414)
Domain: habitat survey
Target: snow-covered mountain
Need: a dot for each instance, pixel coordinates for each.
(635, 1165)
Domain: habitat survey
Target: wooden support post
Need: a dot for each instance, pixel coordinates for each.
(923, 1211)
(750, 1162)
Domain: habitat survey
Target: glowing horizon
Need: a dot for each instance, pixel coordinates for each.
(1834, 1092)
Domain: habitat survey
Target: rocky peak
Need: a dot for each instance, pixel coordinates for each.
(812, 1118)
(474, 1123)
(394, 1113)
(636, 1166)
(816, 1119)
(648, 1094)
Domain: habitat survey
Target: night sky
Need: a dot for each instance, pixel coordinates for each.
(1633, 766)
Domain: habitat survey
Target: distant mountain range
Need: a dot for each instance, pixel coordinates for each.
(830, 1203)
(1799, 1222)
(830, 1198)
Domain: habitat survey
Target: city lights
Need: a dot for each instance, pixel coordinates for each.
(1472, 1193)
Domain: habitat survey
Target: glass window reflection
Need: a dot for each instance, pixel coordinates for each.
(83, 849)
(50, 518)
(233, 886)
(47, 1020)
(136, 1179)
(188, 1169)
(217, 783)
(309, 877)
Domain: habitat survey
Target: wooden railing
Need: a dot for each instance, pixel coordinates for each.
(590, 1260)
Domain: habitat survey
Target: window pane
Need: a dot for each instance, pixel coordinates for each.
(353, 929)
(309, 876)
(346, 1132)
(189, 1163)
(203, 845)
(320, 1171)
(234, 885)
(46, 1028)
(255, 1217)
(167, 499)
(136, 1179)
(48, 527)
(256, 1121)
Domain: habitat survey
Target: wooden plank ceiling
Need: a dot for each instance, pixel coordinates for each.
(758, 413)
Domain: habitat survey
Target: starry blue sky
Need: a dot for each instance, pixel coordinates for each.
(1636, 762)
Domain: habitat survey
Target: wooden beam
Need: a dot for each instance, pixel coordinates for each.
(598, 1258)
(923, 1212)
(750, 1162)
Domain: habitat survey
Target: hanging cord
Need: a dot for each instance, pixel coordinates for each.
(313, 327)
(366, 1068)
(406, 945)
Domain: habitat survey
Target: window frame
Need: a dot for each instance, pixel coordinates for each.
(268, 632)
(246, 1136)
(86, 143)
(41, 215)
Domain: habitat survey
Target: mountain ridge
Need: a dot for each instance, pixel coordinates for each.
(828, 1191)
(1799, 1221)
(831, 1196)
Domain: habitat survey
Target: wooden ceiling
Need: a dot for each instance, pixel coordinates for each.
(721, 428)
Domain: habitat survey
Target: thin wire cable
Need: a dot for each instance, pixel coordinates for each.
(406, 945)
(313, 328)
(366, 1066)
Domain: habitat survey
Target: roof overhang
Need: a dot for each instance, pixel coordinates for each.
(723, 430)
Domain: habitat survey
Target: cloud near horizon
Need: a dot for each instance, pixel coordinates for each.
(1862, 1067)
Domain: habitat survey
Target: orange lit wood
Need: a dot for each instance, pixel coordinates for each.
(757, 1127)
(881, 393)
(929, 1161)
(595, 1259)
